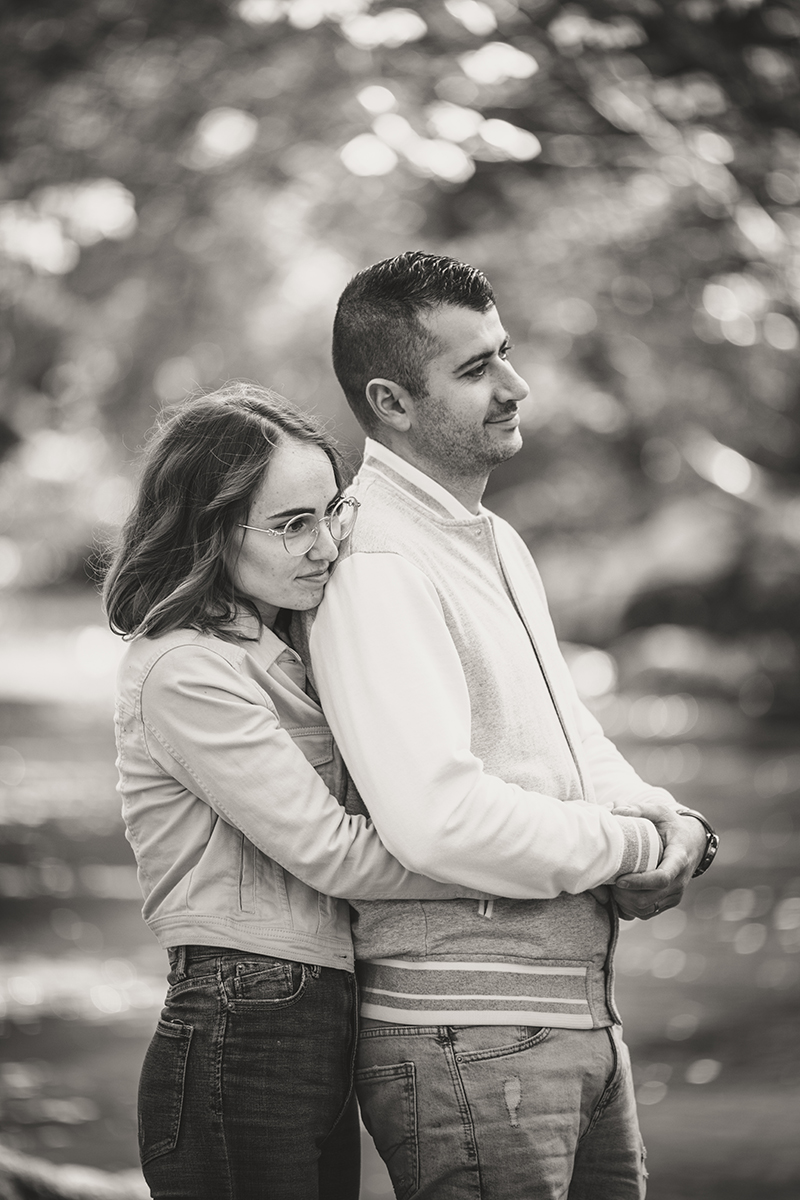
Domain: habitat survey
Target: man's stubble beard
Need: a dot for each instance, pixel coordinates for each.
(460, 453)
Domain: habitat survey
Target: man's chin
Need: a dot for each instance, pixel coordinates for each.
(506, 447)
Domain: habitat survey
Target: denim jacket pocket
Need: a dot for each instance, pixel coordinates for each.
(247, 876)
(161, 1089)
(317, 745)
(315, 742)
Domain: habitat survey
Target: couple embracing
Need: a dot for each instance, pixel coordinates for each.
(348, 742)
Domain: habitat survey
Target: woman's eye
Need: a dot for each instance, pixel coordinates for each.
(296, 525)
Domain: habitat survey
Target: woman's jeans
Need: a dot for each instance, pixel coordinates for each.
(501, 1112)
(246, 1089)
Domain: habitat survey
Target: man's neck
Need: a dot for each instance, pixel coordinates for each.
(468, 491)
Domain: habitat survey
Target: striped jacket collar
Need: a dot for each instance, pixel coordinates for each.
(376, 453)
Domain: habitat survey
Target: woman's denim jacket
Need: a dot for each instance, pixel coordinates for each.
(229, 779)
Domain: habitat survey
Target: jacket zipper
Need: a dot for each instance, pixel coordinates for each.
(545, 677)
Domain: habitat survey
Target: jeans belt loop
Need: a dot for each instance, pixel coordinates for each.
(180, 962)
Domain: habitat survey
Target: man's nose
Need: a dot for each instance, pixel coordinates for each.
(513, 385)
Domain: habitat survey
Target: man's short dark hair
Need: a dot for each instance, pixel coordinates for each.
(377, 332)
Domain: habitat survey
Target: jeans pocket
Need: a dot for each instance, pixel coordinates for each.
(477, 1043)
(161, 1089)
(269, 982)
(388, 1100)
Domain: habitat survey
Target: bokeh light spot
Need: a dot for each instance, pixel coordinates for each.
(518, 144)
(738, 904)
(787, 913)
(394, 27)
(454, 121)
(377, 99)
(30, 237)
(174, 379)
(477, 18)
(92, 210)
(682, 1026)
(222, 134)
(593, 671)
(575, 315)
(652, 1091)
(368, 155)
(780, 331)
(721, 465)
(703, 1070)
(260, 12)
(12, 766)
(669, 924)
(668, 963)
(496, 62)
(10, 561)
(750, 938)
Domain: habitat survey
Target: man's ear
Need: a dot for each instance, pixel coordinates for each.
(390, 403)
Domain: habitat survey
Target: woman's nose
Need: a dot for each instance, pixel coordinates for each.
(325, 547)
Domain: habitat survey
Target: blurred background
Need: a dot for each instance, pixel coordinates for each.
(184, 190)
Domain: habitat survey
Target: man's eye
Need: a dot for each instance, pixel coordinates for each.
(506, 350)
(476, 372)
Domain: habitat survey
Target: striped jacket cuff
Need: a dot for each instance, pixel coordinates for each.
(642, 849)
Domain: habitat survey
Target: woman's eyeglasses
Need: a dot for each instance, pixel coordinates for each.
(300, 533)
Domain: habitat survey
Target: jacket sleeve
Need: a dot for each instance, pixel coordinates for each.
(216, 733)
(399, 708)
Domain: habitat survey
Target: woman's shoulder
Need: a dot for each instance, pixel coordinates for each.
(174, 654)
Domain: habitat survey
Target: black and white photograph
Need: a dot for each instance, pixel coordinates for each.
(399, 600)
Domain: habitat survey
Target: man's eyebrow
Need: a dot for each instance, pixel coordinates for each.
(476, 358)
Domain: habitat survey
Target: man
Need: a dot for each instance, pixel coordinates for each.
(490, 1061)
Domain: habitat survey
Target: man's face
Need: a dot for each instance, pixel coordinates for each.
(468, 422)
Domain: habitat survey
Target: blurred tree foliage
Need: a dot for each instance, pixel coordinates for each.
(185, 187)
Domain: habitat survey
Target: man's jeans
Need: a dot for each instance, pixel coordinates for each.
(246, 1087)
(501, 1112)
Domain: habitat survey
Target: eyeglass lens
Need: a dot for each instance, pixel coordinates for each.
(300, 534)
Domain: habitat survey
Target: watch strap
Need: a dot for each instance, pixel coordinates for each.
(712, 842)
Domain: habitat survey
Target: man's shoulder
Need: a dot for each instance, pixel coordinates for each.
(388, 516)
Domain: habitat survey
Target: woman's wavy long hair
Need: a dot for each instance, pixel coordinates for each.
(202, 465)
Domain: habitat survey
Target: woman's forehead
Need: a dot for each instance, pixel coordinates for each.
(299, 477)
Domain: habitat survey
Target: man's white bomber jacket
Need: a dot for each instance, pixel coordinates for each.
(440, 674)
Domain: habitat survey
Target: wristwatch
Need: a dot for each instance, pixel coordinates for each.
(712, 844)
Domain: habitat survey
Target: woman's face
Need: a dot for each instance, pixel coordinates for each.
(299, 479)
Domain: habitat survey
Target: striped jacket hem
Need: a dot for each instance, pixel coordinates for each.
(433, 992)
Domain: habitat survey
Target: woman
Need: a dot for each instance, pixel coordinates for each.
(231, 789)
